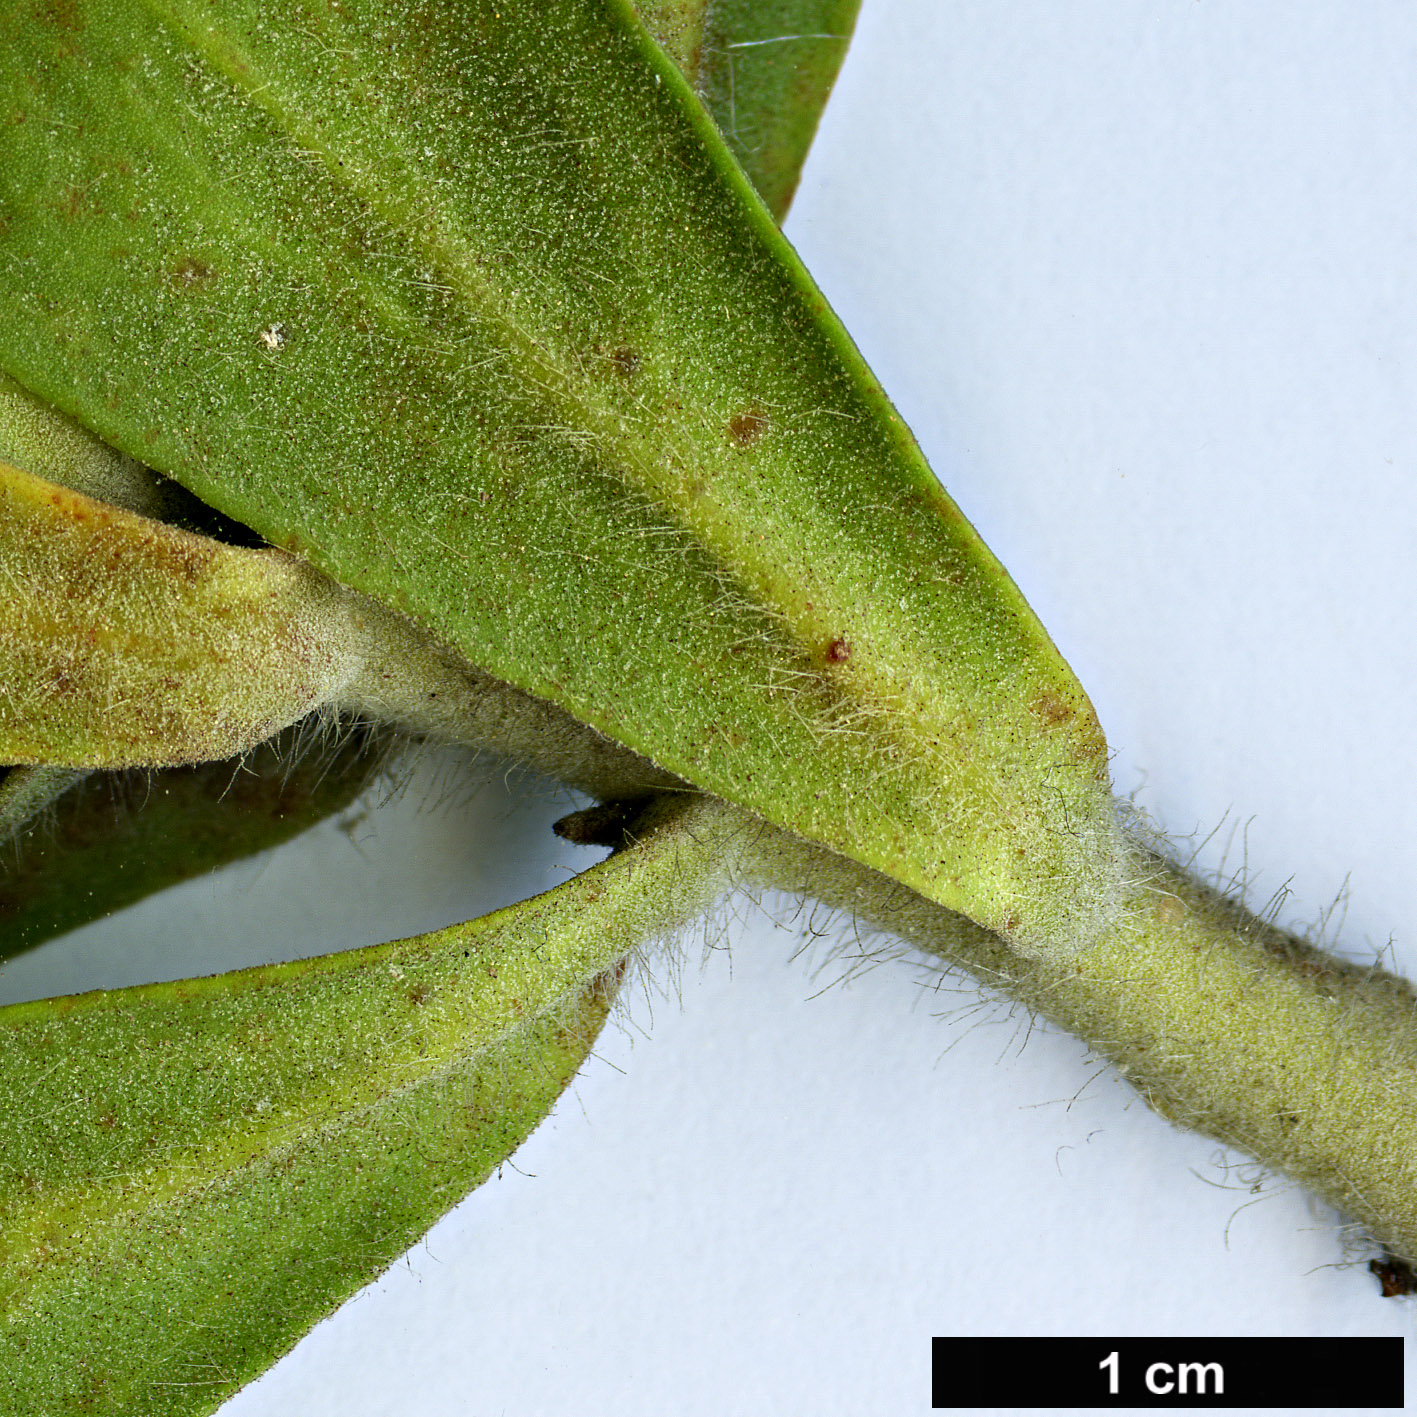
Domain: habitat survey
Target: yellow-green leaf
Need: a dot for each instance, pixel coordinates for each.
(128, 641)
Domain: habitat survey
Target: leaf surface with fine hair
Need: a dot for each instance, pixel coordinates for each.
(473, 308)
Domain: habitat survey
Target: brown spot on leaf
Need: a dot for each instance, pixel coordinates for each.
(73, 202)
(603, 988)
(837, 652)
(1050, 709)
(747, 427)
(625, 362)
(191, 273)
(1170, 910)
(62, 13)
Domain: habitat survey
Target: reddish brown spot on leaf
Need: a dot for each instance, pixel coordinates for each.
(747, 427)
(603, 988)
(595, 826)
(1050, 709)
(838, 652)
(625, 362)
(63, 13)
(73, 202)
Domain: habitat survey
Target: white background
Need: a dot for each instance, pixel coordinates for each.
(1143, 278)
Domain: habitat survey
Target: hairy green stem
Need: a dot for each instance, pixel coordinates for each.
(1222, 1022)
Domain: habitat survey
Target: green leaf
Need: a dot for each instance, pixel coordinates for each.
(194, 1173)
(99, 856)
(471, 306)
(39, 439)
(115, 841)
(35, 437)
(764, 69)
(102, 855)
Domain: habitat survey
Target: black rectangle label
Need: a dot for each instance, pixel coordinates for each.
(1334, 1373)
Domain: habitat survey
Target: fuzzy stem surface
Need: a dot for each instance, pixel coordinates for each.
(1222, 1023)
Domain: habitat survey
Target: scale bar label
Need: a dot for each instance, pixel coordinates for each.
(1330, 1373)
